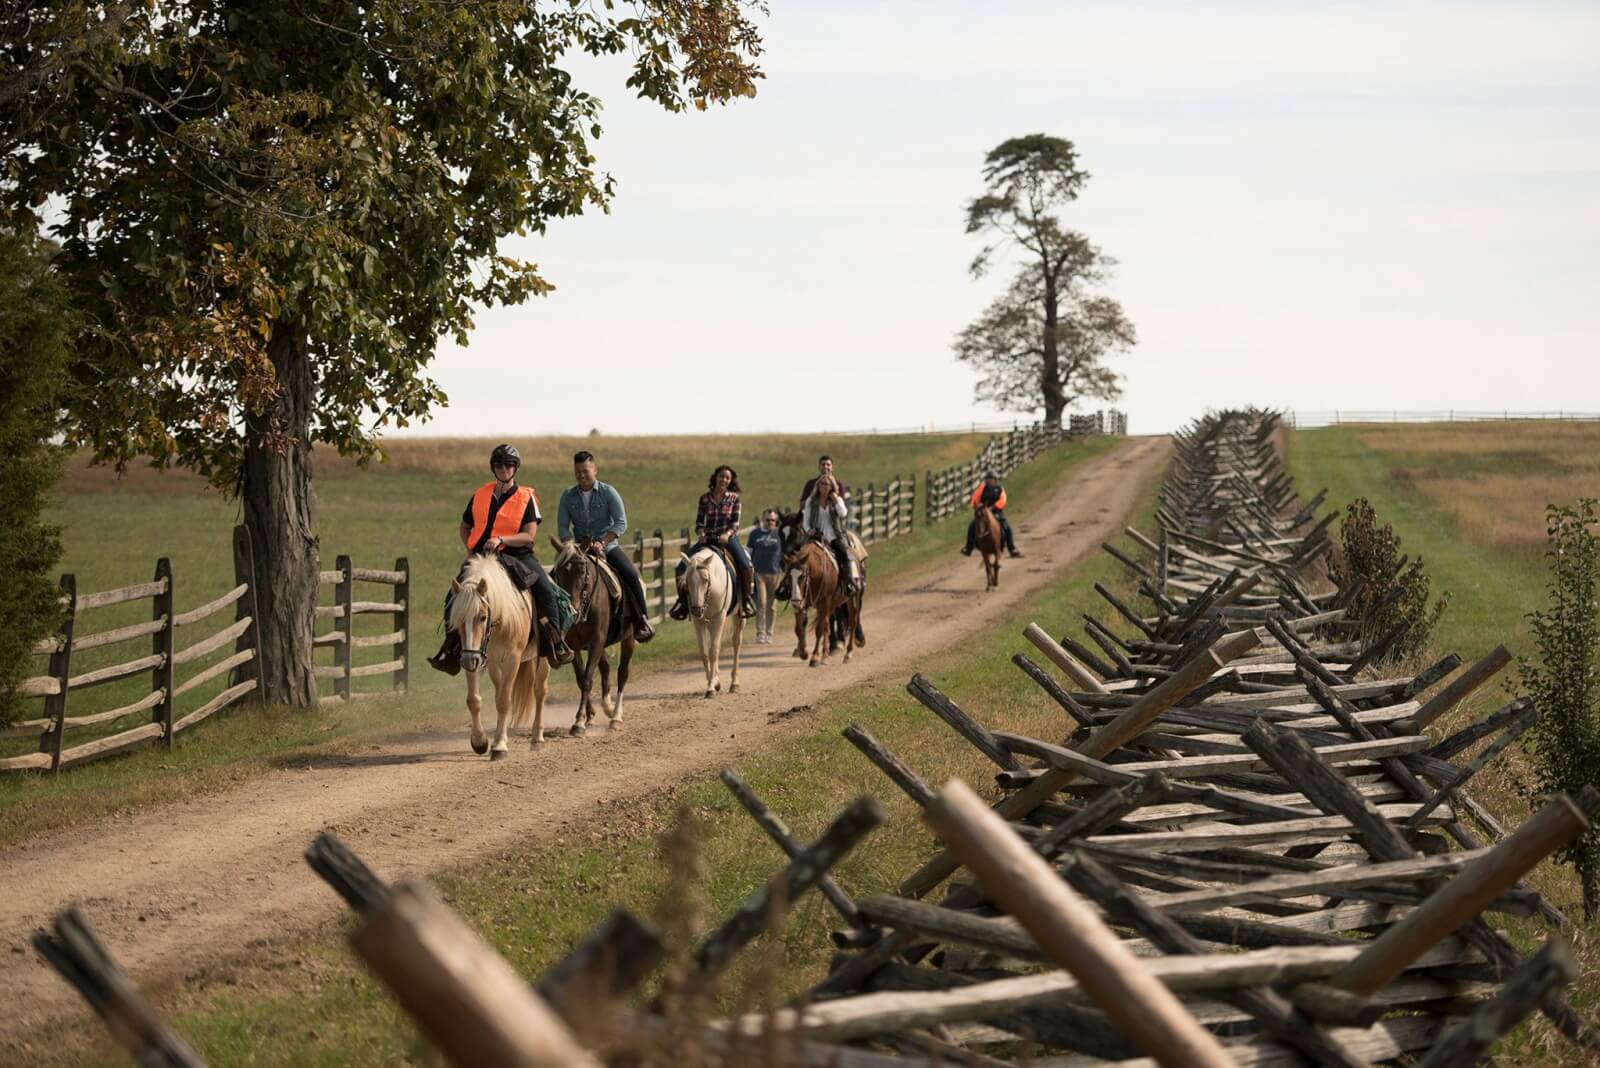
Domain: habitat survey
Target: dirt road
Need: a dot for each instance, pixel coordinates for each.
(180, 886)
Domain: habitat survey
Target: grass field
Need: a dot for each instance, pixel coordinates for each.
(1470, 499)
(174, 515)
(310, 1004)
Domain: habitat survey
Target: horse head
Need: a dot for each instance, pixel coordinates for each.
(792, 531)
(568, 560)
(470, 618)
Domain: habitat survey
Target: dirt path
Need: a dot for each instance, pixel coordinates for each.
(179, 886)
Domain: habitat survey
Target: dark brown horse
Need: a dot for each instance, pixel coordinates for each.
(818, 592)
(600, 624)
(988, 544)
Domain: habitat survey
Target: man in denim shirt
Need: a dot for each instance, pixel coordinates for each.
(591, 513)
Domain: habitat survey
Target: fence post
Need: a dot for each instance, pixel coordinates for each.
(402, 618)
(55, 705)
(661, 571)
(161, 644)
(866, 519)
(244, 573)
(343, 654)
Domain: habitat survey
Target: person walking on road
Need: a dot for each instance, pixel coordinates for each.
(765, 545)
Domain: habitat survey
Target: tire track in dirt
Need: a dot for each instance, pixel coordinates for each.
(179, 888)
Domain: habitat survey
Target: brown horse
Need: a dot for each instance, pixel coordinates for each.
(600, 623)
(988, 544)
(818, 592)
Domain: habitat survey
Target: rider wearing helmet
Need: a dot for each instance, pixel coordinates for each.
(993, 494)
(503, 518)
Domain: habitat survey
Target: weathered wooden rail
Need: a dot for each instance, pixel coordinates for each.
(182, 661)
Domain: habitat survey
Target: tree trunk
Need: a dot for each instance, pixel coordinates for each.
(279, 513)
(1050, 369)
(1590, 882)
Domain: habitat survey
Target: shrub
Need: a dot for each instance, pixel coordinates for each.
(1562, 679)
(1392, 590)
(33, 353)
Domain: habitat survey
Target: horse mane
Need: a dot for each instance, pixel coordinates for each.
(505, 600)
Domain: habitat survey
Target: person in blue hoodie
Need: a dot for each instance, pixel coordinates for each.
(765, 545)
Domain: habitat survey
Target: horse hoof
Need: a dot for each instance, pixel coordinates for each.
(847, 658)
(616, 725)
(537, 742)
(480, 747)
(734, 688)
(498, 754)
(719, 687)
(577, 731)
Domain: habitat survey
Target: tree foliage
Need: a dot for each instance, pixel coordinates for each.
(220, 172)
(33, 351)
(1563, 679)
(1393, 590)
(1043, 343)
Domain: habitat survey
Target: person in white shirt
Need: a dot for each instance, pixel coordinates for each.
(823, 516)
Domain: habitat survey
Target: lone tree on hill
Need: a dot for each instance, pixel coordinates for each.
(1045, 340)
(270, 214)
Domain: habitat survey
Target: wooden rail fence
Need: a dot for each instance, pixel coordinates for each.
(59, 681)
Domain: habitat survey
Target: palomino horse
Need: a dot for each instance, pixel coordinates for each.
(988, 544)
(712, 597)
(600, 623)
(819, 590)
(491, 616)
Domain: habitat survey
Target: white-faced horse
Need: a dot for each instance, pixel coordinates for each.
(491, 616)
(711, 594)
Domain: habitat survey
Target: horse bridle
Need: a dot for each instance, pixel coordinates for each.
(488, 629)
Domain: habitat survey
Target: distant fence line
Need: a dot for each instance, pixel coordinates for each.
(995, 427)
(1338, 417)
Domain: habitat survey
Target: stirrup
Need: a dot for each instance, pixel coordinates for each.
(643, 631)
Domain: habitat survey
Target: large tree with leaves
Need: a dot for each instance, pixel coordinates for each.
(272, 213)
(1043, 343)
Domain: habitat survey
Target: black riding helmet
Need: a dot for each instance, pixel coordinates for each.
(505, 454)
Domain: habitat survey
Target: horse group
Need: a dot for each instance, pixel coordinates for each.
(491, 617)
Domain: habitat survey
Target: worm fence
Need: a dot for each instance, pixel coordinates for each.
(1239, 847)
(200, 661)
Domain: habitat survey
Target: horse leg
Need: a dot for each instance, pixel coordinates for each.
(738, 641)
(714, 637)
(541, 689)
(504, 693)
(819, 634)
(849, 628)
(583, 676)
(626, 662)
(480, 744)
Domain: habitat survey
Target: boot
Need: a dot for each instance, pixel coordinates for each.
(747, 592)
(642, 630)
(556, 646)
(448, 658)
(1013, 553)
(783, 593)
(680, 607)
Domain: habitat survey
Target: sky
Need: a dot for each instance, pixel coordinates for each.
(1312, 206)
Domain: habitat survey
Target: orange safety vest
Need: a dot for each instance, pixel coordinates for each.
(999, 503)
(506, 520)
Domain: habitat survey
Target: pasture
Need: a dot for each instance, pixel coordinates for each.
(1470, 499)
(306, 1002)
(410, 505)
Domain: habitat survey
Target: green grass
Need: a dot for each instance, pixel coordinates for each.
(249, 740)
(312, 1005)
(1493, 580)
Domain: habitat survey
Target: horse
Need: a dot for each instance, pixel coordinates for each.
(711, 594)
(601, 623)
(491, 616)
(818, 587)
(988, 545)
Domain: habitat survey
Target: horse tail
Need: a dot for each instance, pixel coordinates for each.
(522, 693)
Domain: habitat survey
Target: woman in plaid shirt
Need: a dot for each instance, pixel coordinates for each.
(716, 522)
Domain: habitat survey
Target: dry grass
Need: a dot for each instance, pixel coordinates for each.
(1493, 480)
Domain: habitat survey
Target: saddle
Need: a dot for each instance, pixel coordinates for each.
(608, 576)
